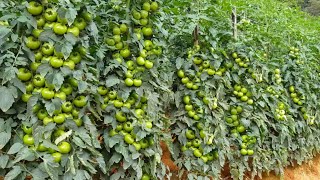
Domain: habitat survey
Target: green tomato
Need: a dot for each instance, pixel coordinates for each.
(146, 6)
(110, 42)
(73, 30)
(38, 80)
(196, 143)
(250, 152)
(190, 134)
(128, 82)
(144, 143)
(80, 23)
(75, 113)
(148, 124)
(197, 153)
(49, 25)
(66, 88)
(144, 14)
(60, 29)
(28, 140)
(243, 152)
(33, 43)
(50, 14)
(125, 53)
(34, 8)
(36, 32)
(241, 129)
(47, 120)
(148, 64)
(137, 82)
(47, 49)
(139, 113)
(34, 66)
(128, 127)
(86, 15)
(80, 101)
(25, 97)
(147, 31)
(41, 148)
(64, 147)
(118, 103)
(148, 45)
(120, 116)
(56, 62)
(42, 114)
(59, 119)
(70, 64)
(24, 74)
(56, 157)
(128, 139)
(75, 57)
(205, 100)
(82, 50)
(137, 146)
(102, 90)
(112, 94)
(181, 74)
(40, 21)
(154, 6)
(47, 93)
(123, 28)
(26, 129)
(136, 15)
(116, 30)
(36, 108)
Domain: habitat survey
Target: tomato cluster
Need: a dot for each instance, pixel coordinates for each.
(271, 90)
(277, 76)
(132, 45)
(294, 53)
(124, 121)
(244, 63)
(196, 144)
(136, 62)
(281, 111)
(42, 88)
(298, 99)
(243, 94)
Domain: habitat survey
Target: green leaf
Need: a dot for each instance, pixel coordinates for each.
(5, 138)
(7, 99)
(4, 161)
(58, 81)
(179, 62)
(102, 164)
(16, 170)
(15, 148)
(24, 154)
(112, 80)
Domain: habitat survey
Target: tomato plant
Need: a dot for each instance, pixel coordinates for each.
(91, 88)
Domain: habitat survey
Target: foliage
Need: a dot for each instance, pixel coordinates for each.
(220, 90)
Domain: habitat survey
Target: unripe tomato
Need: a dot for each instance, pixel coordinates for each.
(57, 157)
(74, 30)
(154, 6)
(28, 140)
(80, 23)
(60, 29)
(33, 43)
(34, 8)
(50, 14)
(24, 74)
(64, 147)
